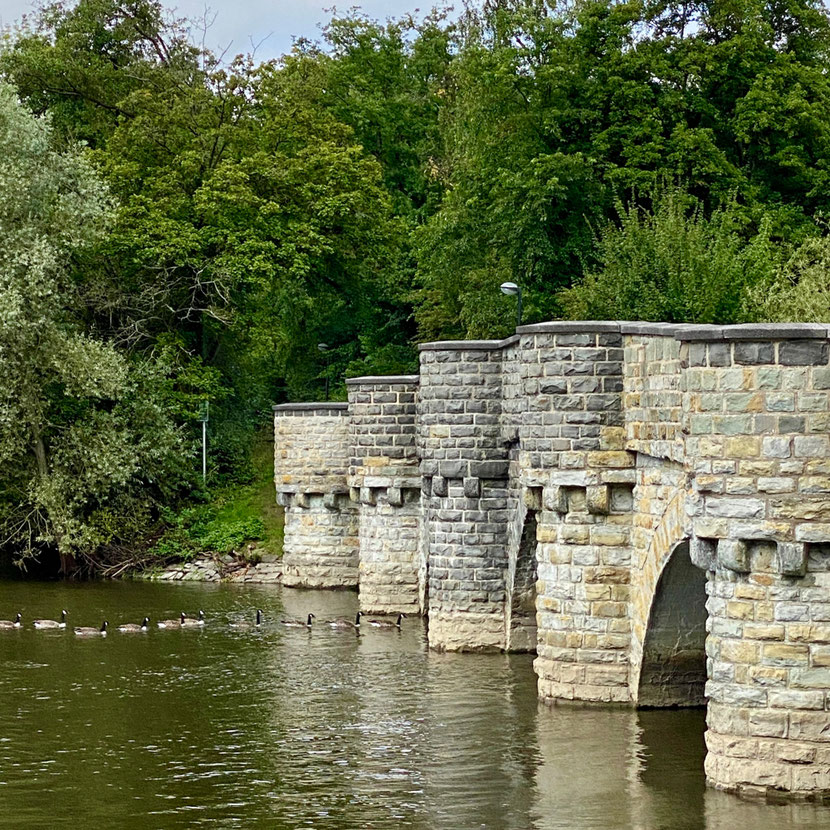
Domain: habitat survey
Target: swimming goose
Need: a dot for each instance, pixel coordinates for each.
(387, 623)
(171, 623)
(11, 624)
(299, 623)
(133, 628)
(343, 624)
(86, 631)
(51, 623)
(246, 624)
(194, 623)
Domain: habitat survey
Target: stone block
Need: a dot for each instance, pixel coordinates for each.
(472, 487)
(439, 486)
(703, 553)
(792, 558)
(555, 499)
(597, 499)
(802, 353)
(733, 554)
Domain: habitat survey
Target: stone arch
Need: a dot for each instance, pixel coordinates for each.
(668, 605)
(673, 664)
(520, 607)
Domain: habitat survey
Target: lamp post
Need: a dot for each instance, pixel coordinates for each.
(324, 348)
(512, 289)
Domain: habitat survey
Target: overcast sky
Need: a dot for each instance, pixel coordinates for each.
(239, 22)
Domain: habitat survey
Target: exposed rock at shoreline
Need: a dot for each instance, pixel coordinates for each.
(225, 568)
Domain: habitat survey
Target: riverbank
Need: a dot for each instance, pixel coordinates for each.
(224, 568)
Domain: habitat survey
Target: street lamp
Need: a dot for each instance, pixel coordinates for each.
(324, 348)
(514, 290)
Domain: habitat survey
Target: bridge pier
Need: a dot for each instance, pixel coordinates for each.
(385, 482)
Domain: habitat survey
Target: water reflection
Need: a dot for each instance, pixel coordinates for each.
(286, 728)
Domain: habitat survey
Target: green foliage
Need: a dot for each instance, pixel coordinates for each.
(800, 287)
(233, 517)
(219, 220)
(553, 110)
(672, 264)
(84, 446)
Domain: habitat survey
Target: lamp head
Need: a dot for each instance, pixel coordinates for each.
(509, 288)
(323, 347)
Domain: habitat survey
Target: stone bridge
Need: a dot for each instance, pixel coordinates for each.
(644, 506)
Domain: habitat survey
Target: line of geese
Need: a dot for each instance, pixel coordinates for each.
(338, 624)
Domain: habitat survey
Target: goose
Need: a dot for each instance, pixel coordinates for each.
(194, 623)
(388, 624)
(86, 631)
(171, 623)
(246, 624)
(51, 623)
(11, 624)
(346, 625)
(133, 628)
(299, 623)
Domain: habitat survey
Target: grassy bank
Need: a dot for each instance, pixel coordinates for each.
(241, 519)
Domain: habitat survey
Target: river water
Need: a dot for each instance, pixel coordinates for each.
(279, 728)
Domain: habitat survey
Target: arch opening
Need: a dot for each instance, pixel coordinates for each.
(673, 672)
(523, 594)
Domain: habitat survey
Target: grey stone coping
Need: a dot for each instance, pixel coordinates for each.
(659, 329)
(392, 380)
(308, 406)
(468, 345)
(571, 327)
(755, 331)
(680, 331)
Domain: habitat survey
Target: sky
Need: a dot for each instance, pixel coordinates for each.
(269, 25)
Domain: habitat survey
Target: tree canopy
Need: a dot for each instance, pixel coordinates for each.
(183, 229)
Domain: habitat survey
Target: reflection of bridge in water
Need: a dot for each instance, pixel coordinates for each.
(603, 494)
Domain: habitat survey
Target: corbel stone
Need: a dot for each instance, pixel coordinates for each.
(394, 495)
(439, 486)
(453, 469)
(556, 499)
(426, 485)
(302, 500)
(734, 555)
(284, 499)
(533, 498)
(354, 494)
(472, 487)
(792, 558)
(368, 495)
(704, 553)
(597, 499)
(330, 501)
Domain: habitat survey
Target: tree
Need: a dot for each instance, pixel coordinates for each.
(672, 264)
(79, 445)
(555, 112)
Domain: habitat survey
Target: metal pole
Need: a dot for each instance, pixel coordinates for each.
(204, 451)
(327, 376)
(519, 308)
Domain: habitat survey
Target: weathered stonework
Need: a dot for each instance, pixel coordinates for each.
(311, 459)
(385, 482)
(646, 506)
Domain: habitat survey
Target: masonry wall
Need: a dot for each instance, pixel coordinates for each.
(572, 461)
(465, 493)
(311, 458)
(757, 421)
(384, 480)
